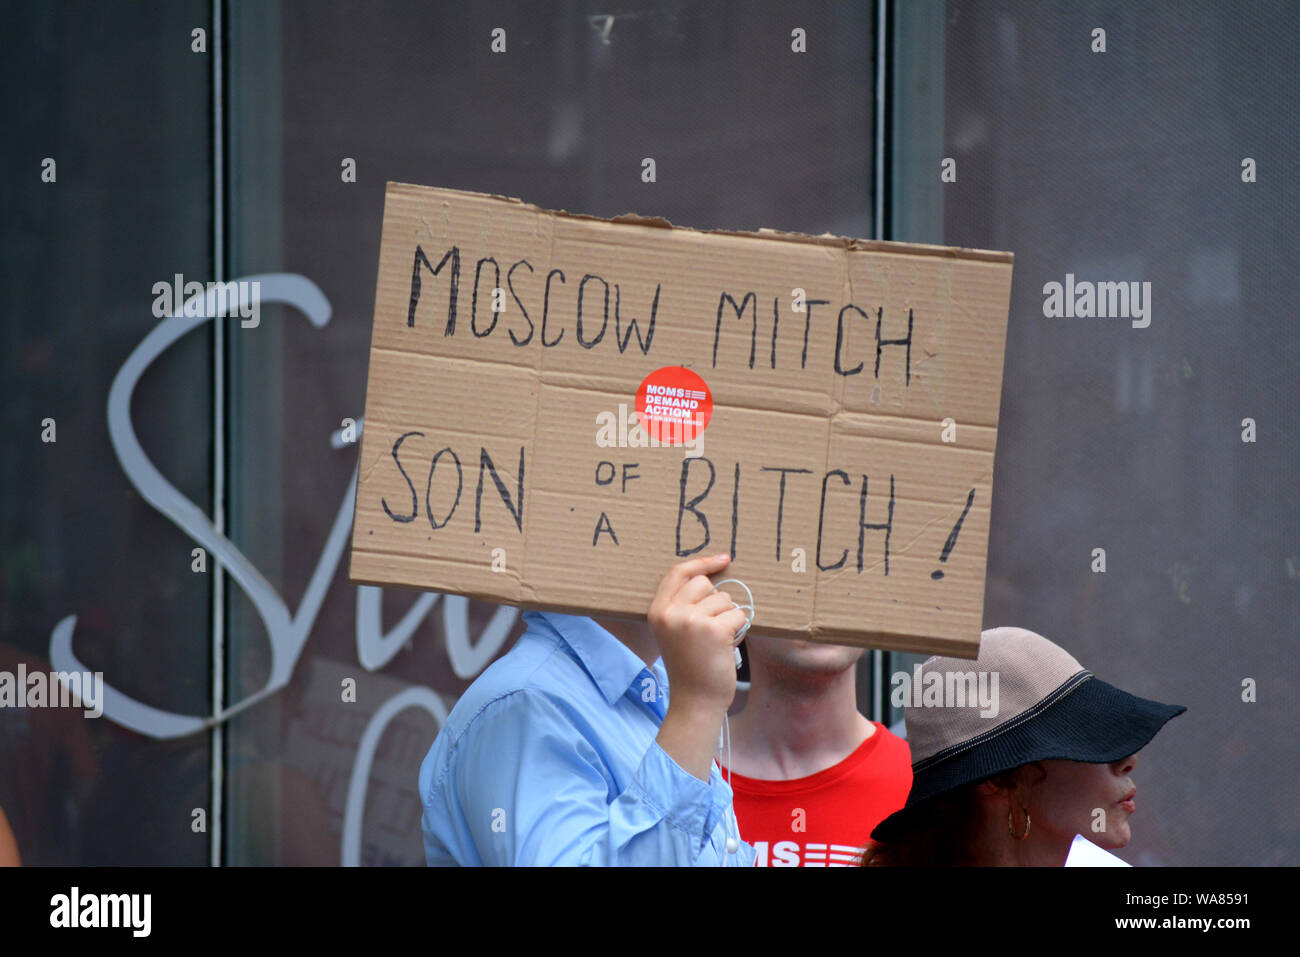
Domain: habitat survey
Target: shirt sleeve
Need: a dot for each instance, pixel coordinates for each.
(535, 790)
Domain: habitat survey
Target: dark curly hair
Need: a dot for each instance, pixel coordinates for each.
(939, 831)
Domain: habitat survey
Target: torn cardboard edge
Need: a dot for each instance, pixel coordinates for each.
(919, 643)
(823, 239)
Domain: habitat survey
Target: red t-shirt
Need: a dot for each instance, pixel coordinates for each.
(825, 819)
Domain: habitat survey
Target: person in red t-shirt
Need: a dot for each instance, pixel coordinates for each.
(811, 775)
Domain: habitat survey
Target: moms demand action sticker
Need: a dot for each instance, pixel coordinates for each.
(673, 405)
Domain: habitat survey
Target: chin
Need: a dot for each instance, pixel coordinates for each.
(800, 659)
(815, 665)
(817, 658)
(1113, 839)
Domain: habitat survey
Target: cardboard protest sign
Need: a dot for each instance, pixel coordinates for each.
(560, 407)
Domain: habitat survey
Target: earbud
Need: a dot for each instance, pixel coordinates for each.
(749, 619)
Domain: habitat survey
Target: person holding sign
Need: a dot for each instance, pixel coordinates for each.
(811, 774)
(566, 750)
(1013, 784)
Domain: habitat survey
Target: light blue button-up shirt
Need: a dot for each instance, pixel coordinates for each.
(550, 757)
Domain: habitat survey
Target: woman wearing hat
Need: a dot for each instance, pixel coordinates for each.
(1015, 784)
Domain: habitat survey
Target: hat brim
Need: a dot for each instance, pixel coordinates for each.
(1095, 723)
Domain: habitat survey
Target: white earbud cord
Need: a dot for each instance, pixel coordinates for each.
(733, 825)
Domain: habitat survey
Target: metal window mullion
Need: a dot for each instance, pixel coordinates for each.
(879, 194)
(218, 664)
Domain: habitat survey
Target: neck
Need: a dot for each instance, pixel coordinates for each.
(794, 728)
(636, 635)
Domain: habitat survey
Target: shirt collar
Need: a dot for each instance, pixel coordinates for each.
(609, 662)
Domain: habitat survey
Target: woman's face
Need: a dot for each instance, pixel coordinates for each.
(1095, 800)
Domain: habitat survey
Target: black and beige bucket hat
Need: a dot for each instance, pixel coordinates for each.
(1049, 707)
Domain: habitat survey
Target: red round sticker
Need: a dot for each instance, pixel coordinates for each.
(673, 405)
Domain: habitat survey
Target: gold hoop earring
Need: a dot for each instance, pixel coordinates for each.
(1011, 829)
